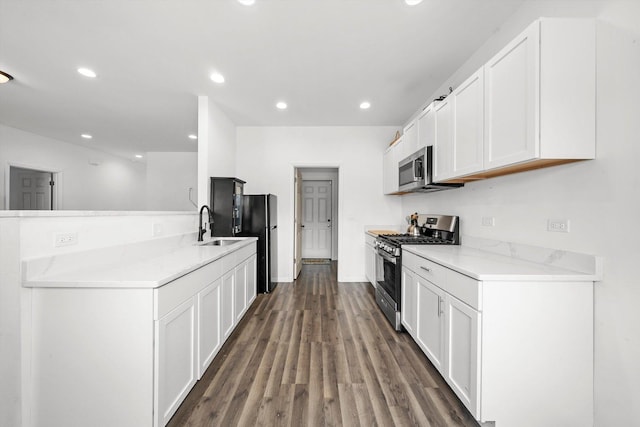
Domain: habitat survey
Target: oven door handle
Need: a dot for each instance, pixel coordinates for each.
(386, 256)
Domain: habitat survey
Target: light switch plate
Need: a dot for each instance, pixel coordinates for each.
(488, 221)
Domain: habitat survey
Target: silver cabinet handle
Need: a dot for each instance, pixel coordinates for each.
(428, 270)
(439, 306)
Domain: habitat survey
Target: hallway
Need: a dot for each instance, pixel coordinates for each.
(316, 352)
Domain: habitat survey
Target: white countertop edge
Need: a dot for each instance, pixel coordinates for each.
(449, 256)
(80, 279)
(63, 213)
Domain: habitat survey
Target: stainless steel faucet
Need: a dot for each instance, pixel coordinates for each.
(201, 229)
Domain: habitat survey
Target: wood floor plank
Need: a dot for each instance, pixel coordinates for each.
(316, 352)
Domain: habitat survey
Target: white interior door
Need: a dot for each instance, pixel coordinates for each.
(30, 189)
(298, 225)
(316, 223)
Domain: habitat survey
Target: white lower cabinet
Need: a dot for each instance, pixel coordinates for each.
(409, 302)
(130, 356)
(514, 352)
(370, 256)
(463, 357)
(240, 291)
(208, 325)
(430, 334)
(252, 280)
(226, 309)
(176, 358)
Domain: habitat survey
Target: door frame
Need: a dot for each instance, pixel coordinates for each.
(56, 203)
(337, 208)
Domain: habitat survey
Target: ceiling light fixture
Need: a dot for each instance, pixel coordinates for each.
(138, 156)
(4, 77)
(87, 72)
(86, 136)
(365, 105)
(412, 2)
(246, 2)
(192, 136)
(281, 105)
(217, 77)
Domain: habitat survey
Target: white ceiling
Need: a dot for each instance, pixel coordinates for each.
(154, 57)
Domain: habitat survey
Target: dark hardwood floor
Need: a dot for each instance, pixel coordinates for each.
(320, 353)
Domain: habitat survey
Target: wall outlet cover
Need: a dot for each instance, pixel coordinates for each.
(558, 225)
(65, 239)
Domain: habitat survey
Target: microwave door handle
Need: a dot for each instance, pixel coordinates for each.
(417, 170)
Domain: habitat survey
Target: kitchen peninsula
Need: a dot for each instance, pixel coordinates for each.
(119, 334)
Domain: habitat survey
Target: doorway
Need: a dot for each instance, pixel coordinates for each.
(316, 216)
(31, 189)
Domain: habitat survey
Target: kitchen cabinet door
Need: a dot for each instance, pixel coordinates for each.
(240, 290)
(426, 127)
(511, 101)
(409, 301)
(176, 363)
(208, 325)
(463, 352)
(443, 147)
(370, 263)
(226, 308)
(430, 321)
(390, 168)
(409, 140)
(468, 125)
(252, 283)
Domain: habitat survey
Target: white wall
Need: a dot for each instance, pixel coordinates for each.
(266, 160)
(216, 146)
(114, 184)
(169, 177)
(601, 198)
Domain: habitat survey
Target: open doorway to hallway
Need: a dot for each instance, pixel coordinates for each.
(30, 189)
(316, 216)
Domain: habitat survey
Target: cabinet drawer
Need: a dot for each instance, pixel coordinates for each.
(460, 286)
(435, 273)
(173, 293)
(464, 288)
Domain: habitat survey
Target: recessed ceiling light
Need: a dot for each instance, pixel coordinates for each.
(217, 77)
(365, 105)
(4, 77)
(192, 136)
(281, 105)
(138, 156)
(87, 72)
(246, 2)
(86, 136)
(412, 2)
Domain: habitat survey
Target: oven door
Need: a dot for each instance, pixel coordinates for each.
(388, 276)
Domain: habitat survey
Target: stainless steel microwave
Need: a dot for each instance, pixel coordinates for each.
(415, 173)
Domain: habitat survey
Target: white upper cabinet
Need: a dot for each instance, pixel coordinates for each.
(443, 148)
(390, 161)
(409, 140)
(540, 96)
(468, 125)
(426, 127)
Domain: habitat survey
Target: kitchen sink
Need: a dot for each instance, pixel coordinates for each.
(220, 242)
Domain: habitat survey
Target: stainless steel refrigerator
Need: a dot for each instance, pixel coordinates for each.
(260, 219)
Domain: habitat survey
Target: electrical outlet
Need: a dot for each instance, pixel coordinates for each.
(66, 239)
(488, 221)
(157, 230)
(558, 225)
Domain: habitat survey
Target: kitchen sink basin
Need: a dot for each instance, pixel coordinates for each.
(220, 242)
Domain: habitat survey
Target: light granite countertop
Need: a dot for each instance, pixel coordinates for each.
(149, 264)
(523, 263)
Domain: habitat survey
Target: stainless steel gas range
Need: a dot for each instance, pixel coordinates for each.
(434, 230)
